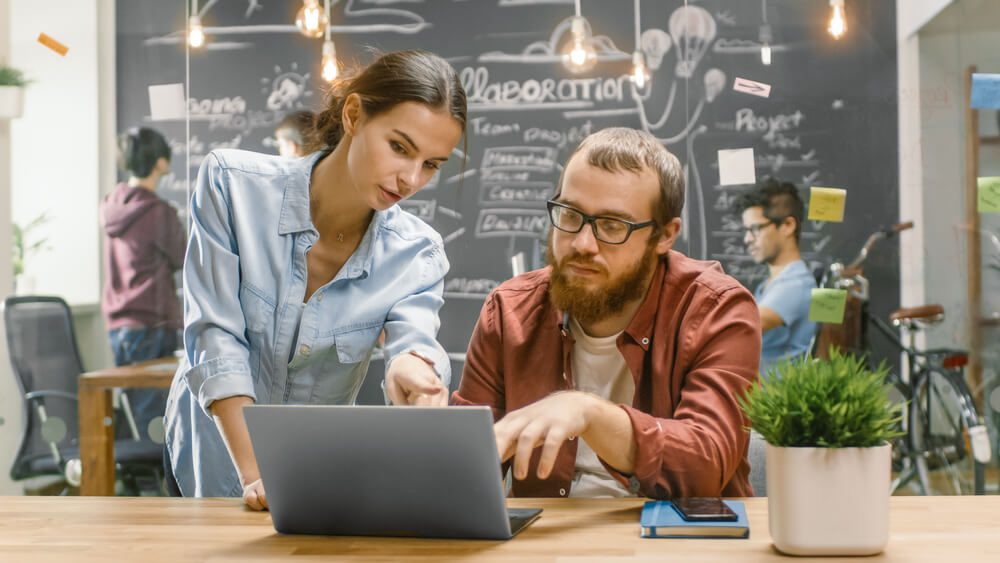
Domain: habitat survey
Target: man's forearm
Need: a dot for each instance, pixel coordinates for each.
(609, 433)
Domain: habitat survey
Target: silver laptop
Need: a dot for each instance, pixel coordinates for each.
(383, 471)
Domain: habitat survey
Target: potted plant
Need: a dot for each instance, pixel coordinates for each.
(12, 83)
(827, 424)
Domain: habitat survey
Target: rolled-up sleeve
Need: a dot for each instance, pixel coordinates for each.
(215, 339)
(413, 322)
(698, 450)
(789, 298)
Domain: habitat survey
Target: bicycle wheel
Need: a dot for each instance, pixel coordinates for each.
(944, 429)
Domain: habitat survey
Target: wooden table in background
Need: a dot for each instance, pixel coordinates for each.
(97, 434)
(68, 529)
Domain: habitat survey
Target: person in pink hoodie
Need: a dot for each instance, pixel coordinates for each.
(144, 245)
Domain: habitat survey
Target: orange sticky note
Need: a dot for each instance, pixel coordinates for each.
(53, 44)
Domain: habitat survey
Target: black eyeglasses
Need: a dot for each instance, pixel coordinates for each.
(606, 229)
(754, 230)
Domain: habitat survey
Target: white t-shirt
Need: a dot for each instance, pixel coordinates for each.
(598, 368)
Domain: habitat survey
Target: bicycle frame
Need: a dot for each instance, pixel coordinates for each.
(919, 382)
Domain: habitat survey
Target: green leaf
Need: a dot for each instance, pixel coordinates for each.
(10, 76)
(837, 402)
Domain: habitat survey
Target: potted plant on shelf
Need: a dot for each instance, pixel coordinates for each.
(827, 424)
(12, 83)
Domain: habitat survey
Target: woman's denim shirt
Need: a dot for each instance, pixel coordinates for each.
(244, 285)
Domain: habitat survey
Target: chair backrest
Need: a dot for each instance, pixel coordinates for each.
(757, 455)
(44, 357)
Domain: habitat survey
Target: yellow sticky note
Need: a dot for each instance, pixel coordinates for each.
(989, 195)
(51, 43)
(827, 305)
(827, 204)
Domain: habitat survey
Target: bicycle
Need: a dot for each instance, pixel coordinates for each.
(942, 428)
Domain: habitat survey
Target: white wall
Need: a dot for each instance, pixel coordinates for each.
(10, 403)
(932, 65)
(55, 156)
(914, 14)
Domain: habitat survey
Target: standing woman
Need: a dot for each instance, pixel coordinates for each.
(295, 267)
(143, 248)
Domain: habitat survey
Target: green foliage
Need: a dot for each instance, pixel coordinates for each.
(835, 403)
(21, 247)
(10, 76)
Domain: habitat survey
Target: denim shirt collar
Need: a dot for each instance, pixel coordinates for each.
(295, 216)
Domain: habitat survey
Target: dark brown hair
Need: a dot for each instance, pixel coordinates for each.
(139, 149)
(621, 148)
(778, 200)
(296, 126)
(393, 78)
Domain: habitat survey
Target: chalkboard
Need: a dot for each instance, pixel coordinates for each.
(830, 119)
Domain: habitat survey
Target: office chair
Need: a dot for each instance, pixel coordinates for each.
(46, 364)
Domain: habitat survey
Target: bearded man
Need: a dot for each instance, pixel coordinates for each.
(622, 342)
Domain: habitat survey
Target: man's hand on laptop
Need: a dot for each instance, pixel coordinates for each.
(410, 380)
(254, 496)
(549, 423)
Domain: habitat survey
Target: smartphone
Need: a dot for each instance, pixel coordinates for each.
(704, 509)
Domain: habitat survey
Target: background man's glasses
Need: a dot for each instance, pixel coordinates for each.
(754, 230)
(606, 229)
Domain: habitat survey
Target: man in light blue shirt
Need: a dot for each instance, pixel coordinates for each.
(772, 223)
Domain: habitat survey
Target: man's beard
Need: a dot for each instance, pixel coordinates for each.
(589, 305)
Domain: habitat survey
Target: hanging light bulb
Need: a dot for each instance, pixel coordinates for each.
(838, 21)
(196, 34)
(765, 44)
(578, 55)
(640, 74)
(311, 19)
(329, 64)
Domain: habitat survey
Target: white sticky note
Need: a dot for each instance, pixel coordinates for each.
(736, 166)
(751, 87)
(166, 101)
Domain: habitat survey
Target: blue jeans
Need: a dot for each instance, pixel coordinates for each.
(131, 345)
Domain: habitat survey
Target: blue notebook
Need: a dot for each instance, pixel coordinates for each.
(660, 520)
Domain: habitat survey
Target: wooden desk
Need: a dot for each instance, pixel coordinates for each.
(97, 435)
(38, 529)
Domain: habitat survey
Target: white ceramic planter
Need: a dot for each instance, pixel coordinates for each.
(829, 501)
(11, 102)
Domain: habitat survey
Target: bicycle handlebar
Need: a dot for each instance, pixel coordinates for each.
(900, 227)
(875, 237)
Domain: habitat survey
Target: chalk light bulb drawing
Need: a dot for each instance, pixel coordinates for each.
(693, 29)
(838, 20)
(196, 34)
(329, 71)
(655, 43)
(640, 74)
(578, 54)
(311, 19)
(715, 83)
